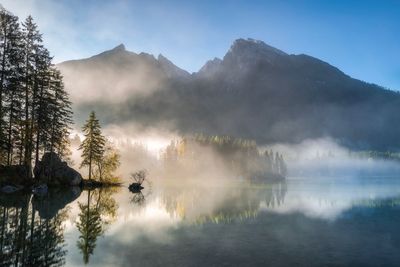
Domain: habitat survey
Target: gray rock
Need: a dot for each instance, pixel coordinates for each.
(53, 171)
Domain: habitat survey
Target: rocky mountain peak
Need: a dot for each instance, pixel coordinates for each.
(250, 45)
(120, 47)
(211, 67)
(248, 51)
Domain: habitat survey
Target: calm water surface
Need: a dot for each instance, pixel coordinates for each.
(302, 222)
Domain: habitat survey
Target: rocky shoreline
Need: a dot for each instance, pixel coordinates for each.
(50, 172)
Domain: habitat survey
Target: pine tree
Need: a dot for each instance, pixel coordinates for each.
(55, 116)
(32, 40)
(41, 100)
(35, 111)
(93, 145)
(10, 61)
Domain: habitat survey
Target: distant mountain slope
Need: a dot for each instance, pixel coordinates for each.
(116, 73)
(255, 91)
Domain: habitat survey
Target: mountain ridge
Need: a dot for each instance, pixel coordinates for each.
(255, 91)
(237, 44)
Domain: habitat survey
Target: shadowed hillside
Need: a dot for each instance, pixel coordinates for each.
(256, 92)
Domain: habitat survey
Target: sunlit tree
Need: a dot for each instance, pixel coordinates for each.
(108, 164)
(94, 143)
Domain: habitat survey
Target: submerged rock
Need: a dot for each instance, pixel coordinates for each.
(40, 190)
(53, 171)
(8, 189)
(55, 200)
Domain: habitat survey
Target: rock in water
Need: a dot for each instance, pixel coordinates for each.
(8, 189)
(135, 187)
(53, 171)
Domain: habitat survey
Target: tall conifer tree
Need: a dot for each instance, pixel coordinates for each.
(35, 111)
(93, 145)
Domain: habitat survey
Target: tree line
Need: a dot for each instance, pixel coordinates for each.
(241, 155)
(35, 110)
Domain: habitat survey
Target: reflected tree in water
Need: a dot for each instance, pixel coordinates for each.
(138, 198)
(216, 206)
(51, 252)
(99, 211)
(90, 228)
(26, 238)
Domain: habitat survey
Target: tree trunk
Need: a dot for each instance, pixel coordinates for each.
(26, 141)
(10, 146)
(38, 132)
(3, 65)
(90, 166)
(33, 106)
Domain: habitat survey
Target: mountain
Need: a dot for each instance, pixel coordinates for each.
(256, 91)
(113, 74)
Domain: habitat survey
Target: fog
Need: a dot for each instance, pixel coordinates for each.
(111, 77)
(145, 148)
(325, 157)
(144, 103)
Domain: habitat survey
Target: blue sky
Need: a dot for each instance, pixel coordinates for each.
(362, 38)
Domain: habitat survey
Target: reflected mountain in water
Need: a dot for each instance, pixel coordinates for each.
(192, 223)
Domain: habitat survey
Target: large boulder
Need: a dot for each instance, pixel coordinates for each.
(53, 171)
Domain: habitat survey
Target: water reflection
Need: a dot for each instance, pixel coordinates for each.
(191, 224)
(138, 198)
(199, 204)
(32, 233)
(95, 214)
(32, 227)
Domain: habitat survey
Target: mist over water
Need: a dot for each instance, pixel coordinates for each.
(334, 207)
(333, 220)
(318, 158)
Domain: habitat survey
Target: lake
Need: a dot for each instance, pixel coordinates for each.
(340, 221)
